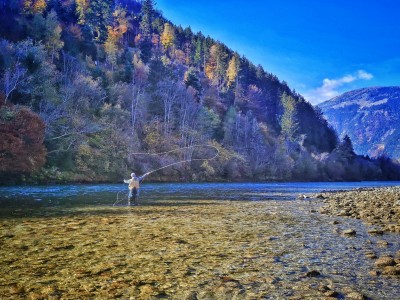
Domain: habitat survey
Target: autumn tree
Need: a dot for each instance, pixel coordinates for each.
(115, 33)
(34, 6)
(21, 143)
(81, 9)
(216, 66)
(168, 37)
(233, 71)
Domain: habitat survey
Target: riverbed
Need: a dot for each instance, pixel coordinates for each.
(175, 246)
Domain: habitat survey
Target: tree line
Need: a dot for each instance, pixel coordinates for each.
(86, 84)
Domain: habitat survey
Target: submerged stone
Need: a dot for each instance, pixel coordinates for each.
(349, 232)
(385, 261)
(313, 273)
(375, 231)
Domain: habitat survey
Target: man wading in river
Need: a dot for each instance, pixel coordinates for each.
(133, 186)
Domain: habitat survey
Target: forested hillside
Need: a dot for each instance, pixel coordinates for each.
(101, 80)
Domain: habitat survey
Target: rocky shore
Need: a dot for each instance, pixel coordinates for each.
(379, 206)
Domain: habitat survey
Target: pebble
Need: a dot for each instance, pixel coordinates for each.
(374, 273)
(355, 296)
(370, 255)
(331, 294)
(349, 232)
(375, 231)
(382, 243)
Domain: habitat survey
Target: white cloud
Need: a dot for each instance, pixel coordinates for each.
(364, 75)
(330, 87)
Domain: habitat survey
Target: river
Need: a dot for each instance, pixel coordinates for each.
(185, 241)
(18, 197)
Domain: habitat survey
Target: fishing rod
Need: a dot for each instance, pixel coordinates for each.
(172, 164)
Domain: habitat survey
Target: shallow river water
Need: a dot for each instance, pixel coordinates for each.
(184, 242)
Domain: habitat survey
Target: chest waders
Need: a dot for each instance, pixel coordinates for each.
(133, 191)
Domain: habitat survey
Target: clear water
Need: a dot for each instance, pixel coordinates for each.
(50, 231)
(106, 194)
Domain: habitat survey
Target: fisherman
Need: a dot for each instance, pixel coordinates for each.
(133, 186)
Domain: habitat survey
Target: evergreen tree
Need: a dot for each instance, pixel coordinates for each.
(345, 151)
(198, 55)
(191, 79)
(147, 16)
(229, 126)
(289, 121)
(98, 17)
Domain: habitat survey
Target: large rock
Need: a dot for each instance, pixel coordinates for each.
(390, 270)
(385, 261)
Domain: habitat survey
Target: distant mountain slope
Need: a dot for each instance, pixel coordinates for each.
(370, 117)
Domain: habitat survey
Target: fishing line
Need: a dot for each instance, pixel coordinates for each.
(182, 161)
(119, 200)
(172, 164)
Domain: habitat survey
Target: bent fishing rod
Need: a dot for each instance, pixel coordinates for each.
(172, 164)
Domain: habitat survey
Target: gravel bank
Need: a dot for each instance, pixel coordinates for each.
(380, 206)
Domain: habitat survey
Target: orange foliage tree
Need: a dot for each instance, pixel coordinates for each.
(21, 144)
(34, 6)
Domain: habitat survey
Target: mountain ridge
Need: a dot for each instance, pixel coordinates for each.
(369, 116)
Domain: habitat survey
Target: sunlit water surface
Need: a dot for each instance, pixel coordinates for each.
(20, 197)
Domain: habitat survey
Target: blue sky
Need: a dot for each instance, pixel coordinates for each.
(320, 48)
